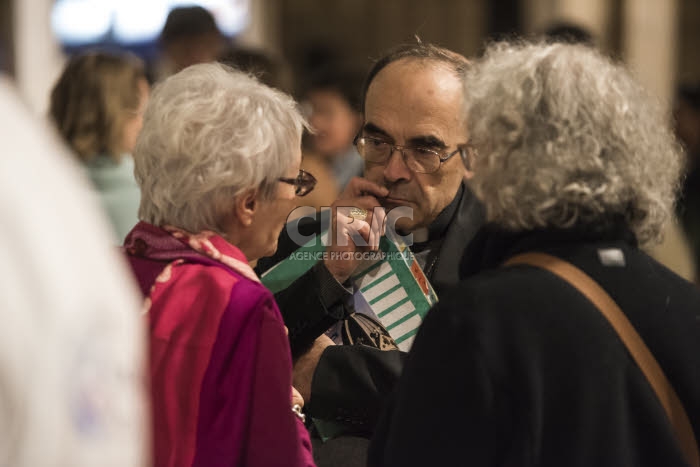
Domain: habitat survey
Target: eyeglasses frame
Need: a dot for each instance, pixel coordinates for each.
(461, 150)
(304, 181)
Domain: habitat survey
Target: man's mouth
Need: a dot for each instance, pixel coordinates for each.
(395, 200)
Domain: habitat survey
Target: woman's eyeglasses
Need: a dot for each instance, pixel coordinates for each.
(304, 183)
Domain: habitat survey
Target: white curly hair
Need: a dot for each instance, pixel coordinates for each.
(564, 137)
(209, 133)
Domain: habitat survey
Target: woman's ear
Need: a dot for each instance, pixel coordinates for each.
(245, 206)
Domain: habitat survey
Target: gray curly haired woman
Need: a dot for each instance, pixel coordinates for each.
(570, 139)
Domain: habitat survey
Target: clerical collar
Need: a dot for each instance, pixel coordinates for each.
(438, 227)
(426, 236)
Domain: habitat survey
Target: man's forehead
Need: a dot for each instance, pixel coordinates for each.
(414, 81)
(412, 99)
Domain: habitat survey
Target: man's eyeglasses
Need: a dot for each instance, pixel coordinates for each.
(304, 183)
(417, 159)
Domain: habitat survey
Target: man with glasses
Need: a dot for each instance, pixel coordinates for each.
(412, 133)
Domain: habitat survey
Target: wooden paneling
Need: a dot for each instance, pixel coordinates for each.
(689, 41)
(361, 30)
(7, 56)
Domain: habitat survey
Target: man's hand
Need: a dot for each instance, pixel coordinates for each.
(305, 366)
(296, 398)
(348, 230)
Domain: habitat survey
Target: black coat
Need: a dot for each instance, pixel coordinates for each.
(351, 383)
(514, 367)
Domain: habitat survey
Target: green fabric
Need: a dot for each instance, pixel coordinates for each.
(396, 266)
(285, 272)
(118, 191)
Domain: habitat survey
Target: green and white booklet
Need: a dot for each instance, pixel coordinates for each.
(389, 284)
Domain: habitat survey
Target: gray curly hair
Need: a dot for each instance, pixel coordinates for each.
(565, 137)
(209, 133)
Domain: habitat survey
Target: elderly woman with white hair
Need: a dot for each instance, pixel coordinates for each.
(218, 163)
(565, 344)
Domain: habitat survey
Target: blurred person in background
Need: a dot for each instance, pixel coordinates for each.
(326, 191)
(569, 33)
(190, 35)
(72, 346)
(687, 124)
(333, 98)
(515, 366)
(218, 164)
(266, 68)
(97, 105)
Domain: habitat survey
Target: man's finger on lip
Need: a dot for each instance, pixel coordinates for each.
(396, 198)
(377, 194)
(363, 186)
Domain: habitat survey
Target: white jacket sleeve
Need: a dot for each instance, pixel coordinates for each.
(72, 381)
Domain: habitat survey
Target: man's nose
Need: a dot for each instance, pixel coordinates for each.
(396, 168)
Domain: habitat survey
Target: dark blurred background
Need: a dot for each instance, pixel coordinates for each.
(659, 37)
(310, 47)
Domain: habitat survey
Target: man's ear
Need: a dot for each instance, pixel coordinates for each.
(359, 121)
(468, 156)
(245, 206)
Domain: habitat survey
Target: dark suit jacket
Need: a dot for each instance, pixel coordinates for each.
(351, 382)
(515, 367)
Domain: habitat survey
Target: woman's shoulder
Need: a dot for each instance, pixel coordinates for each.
(227, 281)
(216, 276)
(252, 295)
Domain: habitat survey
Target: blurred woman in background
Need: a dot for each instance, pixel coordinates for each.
(218, 165)
(97, 105)
(333, 98)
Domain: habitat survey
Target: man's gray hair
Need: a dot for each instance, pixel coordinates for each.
(209, 133)
(565, 137)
